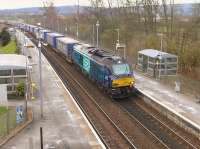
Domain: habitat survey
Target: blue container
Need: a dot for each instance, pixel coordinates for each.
(43, 34)
(66, 45)
(51, 39)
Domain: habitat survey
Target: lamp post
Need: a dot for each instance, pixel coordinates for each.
(26, 84)
(40, 71)
(58, 24)
(93, 32)
(40, 74)
(97, 25)
(77, 31)
(161, 41)
(158, 63)
(66, 30)
(77, 24)
(117, 35)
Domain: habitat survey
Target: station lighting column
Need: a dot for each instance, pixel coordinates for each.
(40, 71)
(97, 25)
(161, 41)
(117, 35)
(77, 24)
(40, 74)
(25, 54)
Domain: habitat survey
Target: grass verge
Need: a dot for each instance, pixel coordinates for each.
(10, 48)
(3, 110)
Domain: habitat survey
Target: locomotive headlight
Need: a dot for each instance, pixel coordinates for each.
(131, 83)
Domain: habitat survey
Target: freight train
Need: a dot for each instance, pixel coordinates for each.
(109, 71)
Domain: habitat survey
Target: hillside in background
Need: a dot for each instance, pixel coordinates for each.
(65, 10)
(183, 9)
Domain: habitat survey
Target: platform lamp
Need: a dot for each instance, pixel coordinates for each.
(40, 72)
(117, 29)
(158, 61)
(97, 25)
(77, 23)
(161, 41)
(25, 54)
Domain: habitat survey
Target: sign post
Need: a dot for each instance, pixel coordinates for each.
(3, 95)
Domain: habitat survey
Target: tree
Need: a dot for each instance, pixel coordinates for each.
(4, 37)
(21, 89)
(50, 16)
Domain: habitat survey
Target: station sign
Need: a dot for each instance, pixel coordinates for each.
(19, 114)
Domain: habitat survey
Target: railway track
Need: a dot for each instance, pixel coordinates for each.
(100, 116)
(155, 126)
(177, 132)
(118, 126)
(109, 139)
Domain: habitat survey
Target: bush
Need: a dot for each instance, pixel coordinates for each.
(21, 89)
(4, 37)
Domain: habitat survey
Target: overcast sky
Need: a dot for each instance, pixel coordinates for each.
(10, 4)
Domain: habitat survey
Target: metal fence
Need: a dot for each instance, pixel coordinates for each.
(11, 119)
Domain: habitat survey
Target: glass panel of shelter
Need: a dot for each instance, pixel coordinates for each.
(5, 72)
(5, 80)
(19, 72)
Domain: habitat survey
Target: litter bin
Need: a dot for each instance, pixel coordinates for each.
(177, 86)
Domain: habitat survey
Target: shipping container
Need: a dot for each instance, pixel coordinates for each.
(51, 39)
(36, 31)
(31, 28)
(43, 34)
(65, 45)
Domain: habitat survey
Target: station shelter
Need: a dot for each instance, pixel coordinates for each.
(157, 63)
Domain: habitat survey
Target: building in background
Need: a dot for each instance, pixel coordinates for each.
(13, 69)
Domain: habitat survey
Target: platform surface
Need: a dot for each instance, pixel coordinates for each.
(182, 104)
(64, 126)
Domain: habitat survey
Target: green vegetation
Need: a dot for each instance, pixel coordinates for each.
(7, 121)
(4, 37)
(10, 48)
(3, 110)
(21, 89)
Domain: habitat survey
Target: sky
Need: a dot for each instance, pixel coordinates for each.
(11, 4)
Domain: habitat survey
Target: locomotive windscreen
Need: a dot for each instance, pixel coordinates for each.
(121, 69)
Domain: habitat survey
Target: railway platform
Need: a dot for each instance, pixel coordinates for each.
(64, 125)
(185, 107)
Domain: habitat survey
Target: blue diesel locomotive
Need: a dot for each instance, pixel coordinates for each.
(110, 72)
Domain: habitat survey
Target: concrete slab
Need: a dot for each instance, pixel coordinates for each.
(64, 125)
(181, 104)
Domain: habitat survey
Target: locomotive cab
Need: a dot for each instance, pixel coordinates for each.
(122, 79)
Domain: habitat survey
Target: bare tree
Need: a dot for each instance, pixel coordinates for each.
(50, 15)
(172, 17)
